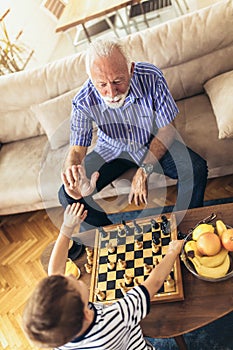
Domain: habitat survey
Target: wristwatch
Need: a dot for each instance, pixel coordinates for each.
(147, 168)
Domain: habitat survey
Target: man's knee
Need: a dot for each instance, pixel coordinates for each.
(64, 198)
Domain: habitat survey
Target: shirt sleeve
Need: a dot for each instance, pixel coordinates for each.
(135, 305)
(80, 127)
(165, 106)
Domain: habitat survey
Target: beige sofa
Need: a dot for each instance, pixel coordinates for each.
(195, 54)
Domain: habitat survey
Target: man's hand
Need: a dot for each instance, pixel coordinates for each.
(76, 183)
(74, 214)
(139, 188)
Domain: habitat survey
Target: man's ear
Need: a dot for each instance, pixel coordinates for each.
(132, 68)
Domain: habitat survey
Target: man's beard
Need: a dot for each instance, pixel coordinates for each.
(117, 101)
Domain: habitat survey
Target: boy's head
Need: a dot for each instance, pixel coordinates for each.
(55, 312)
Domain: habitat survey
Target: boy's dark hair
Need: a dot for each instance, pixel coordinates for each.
(54, 313)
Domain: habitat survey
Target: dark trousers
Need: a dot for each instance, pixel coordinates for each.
(179, 163)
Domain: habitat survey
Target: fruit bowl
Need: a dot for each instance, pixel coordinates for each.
(190, 266)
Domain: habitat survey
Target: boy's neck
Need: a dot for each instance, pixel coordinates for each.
(88, 320)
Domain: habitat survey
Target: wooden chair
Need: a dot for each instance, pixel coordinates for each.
(147, 10)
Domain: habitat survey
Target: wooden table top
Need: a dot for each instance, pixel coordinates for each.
(203, 302)
(79, 11)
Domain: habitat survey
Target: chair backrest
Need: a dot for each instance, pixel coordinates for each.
(147, 6)
(54, 7)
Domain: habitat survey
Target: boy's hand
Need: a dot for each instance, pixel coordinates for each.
(175, 245)
(74, 214)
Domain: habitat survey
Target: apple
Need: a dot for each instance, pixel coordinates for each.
(209, 244)
(227, 239)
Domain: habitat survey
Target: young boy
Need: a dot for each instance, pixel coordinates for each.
(59, 313)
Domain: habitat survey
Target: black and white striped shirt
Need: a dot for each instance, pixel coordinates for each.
(130, 128)
(116, 326)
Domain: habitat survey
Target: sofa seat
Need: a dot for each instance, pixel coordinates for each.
(19, 184)
(197, 125)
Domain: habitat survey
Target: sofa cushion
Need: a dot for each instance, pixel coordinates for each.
(54, 116)
(18, 124)
(197, 126)
(219, 90)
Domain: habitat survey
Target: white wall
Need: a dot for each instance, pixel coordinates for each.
(38, 30)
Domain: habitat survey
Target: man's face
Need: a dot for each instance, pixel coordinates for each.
(111, 77)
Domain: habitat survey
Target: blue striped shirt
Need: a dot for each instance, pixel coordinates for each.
(130, 128)
(116, 327)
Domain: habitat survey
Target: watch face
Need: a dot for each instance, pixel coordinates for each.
(148, 168)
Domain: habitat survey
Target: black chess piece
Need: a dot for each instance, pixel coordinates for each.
(126, 227)
(137, 228)
(121, 232)
(154, 224)
(155, 238)
(102, 232)
(165, 225)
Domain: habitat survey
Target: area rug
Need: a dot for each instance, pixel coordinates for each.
(218, 335)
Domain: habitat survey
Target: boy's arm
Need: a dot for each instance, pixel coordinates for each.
(74, 214)
(162, 270)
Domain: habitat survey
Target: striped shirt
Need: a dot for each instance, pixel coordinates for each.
(130, 128)
(116, 327)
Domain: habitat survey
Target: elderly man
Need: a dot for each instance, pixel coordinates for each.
(134, 111)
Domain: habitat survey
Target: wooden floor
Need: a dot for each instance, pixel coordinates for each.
(23, 238)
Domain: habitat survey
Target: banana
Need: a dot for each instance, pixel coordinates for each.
(213, 261)
(208, 261)
(220, 227)
(200, 229)
(212, 272)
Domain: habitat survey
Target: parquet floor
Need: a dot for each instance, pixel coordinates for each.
(23, 238)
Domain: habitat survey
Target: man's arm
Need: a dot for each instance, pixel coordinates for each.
(158, 147)
(157, 276)
(160, 144)
(74, 214)
(75, 156)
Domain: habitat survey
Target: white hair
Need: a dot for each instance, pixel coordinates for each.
(104, 48)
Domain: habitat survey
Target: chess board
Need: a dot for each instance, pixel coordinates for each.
(125, 237)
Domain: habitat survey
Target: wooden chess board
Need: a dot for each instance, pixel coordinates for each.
(108, 274)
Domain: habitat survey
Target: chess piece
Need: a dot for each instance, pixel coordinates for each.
(111, 265)
(110, 247)
(100, 294)
(155, 237)
(155, 248)
(128, 279)
(122, 263)
(138, 244)
(165, 225)
(126, 227)
(120, 232)
(90, 260)
(147, 268)
(123, 288)
(154, 224)
(88, 268)
(136, 281)
(137, 228)
(156, 261)
(103, 233)
(89, 251)
(170, 281)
